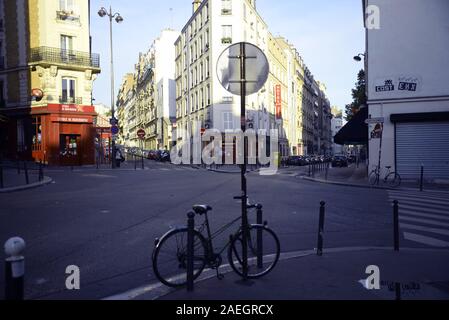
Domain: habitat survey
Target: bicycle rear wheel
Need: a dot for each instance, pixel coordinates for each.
(373, 178)
(263, 252)
(170, 258)
(393, 180)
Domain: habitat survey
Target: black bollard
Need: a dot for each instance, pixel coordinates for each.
(259, 237)
(321, 228)
(310, 171)
(396, 224)
(14, 269)
(190, 249)
(41, 172)
(398, 291)
(25, 167)
(135, 162)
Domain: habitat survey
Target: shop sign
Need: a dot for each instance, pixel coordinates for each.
(398, 83)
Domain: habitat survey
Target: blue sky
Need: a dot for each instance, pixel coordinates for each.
(327, 33)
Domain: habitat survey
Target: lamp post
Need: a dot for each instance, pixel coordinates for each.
(118, 18)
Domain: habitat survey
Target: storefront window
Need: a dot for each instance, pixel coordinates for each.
(37, 133)
(69, 145)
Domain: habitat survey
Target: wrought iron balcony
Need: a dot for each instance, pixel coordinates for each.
(65, 57)
(67, 16)
(70, 100)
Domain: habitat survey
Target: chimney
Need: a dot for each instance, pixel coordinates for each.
(196, 5)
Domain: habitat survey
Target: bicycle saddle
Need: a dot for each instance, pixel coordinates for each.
(201, 209)
(389, 167)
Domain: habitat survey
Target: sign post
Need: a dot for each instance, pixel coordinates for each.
(141, 134)
(243, 70)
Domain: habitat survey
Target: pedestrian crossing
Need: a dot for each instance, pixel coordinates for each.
(423, 216)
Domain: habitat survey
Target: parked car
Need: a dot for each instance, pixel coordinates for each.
(340, 161)
(295, 161)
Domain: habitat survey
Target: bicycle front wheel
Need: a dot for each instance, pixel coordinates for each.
(393, 180)
(170, 258)
(263, 252)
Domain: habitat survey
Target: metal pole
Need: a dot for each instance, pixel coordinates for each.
(259, 237)
(112, 84)
(396, 224)
(421, 183)
(14, 269)
(135, 161)
(41, 172)
(243, 167)
(25, 167)
(398, 291)
(190, 249)
(321, 228)
(143, 163)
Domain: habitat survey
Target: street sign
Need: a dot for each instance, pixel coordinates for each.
(114, 130)
(257, 68)
(113, 122)
(375, 120)
(141, 134)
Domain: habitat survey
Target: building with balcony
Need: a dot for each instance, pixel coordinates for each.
(46, 77)
(146, 97)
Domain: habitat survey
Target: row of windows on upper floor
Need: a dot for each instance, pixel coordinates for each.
(199, 99)
(198, 74)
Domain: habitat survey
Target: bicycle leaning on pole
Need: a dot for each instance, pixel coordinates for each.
(170, 252)
(392, 178)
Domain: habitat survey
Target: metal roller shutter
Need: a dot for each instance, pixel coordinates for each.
(424, 143)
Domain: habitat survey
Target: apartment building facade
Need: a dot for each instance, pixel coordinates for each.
(46, 76)
(146, 99)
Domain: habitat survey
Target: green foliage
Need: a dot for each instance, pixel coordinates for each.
(358, 96)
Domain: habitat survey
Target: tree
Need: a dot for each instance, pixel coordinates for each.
(358, 96)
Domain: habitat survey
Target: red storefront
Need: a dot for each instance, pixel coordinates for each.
(63, 134)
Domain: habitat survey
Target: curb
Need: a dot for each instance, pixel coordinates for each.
(47, 180)
(346, 184)
(157, 290)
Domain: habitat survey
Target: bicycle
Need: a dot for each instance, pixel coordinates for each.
(170, 253)
(392, 178)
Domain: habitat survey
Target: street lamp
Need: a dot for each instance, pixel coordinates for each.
(358, 57)
(119, 19)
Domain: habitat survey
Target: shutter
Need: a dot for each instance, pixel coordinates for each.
(425, 143)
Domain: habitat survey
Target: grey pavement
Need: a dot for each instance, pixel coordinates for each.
(105, 221)
(337, 275)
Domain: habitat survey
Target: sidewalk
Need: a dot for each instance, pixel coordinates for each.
(358, 177)
(421, 273)
(13, 181)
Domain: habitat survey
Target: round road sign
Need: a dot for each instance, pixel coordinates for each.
(141, 134)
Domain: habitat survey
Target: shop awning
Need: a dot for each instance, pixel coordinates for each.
(355, 132)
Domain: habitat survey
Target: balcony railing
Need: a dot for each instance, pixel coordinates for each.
(67, 57)
(70, 100)
(67, 16)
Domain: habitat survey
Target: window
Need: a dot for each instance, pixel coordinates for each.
(226, 8)
(227, 34)
(228, 122)
(201, 72)
(207, 68)
(68, 91)
(202, 98)
(37, 133)
(66, 5)
(208, 95)
(66, 44)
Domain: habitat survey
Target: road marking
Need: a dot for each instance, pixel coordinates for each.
(426, 221)
(419, 209)
(425, 229)
(440, 199)
(423, 215)
(426, 240)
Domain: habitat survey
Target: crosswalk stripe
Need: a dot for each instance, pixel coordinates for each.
(425, 229)
(425, 210)
(423, 215)
(414, 197)
(426, 240)
(419, 194)
(418, 203)
(426, 221)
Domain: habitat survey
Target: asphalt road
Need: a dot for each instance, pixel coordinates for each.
(105, 222)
